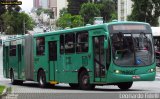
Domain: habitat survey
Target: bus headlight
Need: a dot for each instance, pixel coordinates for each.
(117, 71)
(152, 70)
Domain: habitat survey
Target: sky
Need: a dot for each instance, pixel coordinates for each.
(26, 5)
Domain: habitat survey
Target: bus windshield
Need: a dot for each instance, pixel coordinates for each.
(132, 49)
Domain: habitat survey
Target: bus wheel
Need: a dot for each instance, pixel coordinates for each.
(20, 82)
(74, 85)
(125, 85)
(41, 79)
(84, 82)
(13, 81)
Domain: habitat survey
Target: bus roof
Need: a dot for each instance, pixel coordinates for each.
(83, 28)
(126, 22)
(87, 27)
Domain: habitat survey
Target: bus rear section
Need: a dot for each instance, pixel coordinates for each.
(18, 59)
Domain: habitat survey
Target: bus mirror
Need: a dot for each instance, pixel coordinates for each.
(105, 44)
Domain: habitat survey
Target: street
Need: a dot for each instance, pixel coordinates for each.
(63, 91)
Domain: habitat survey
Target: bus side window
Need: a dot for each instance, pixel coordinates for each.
(108, 57)
(70, 43)
(12, 50)
(62, 44)
(40, 42)
(82, 42)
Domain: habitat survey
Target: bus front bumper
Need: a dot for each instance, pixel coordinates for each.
(116, 78)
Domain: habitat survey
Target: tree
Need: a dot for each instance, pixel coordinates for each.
(89, 11)
(108, 10)
(39, 11)
(68, 20)
(74, 6)
(2, 8)
(14, 22)
(77, 21)
(63, 11)
(145, 11)
(2, 11)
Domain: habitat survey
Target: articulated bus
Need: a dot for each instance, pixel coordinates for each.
(115, 53)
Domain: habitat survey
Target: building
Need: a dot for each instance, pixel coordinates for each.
(56, 6)
(40, 3)
(124, 9)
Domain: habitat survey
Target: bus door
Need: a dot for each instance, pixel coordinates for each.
(99, 58)
(52, 56)
(19, 60)
(6, 61)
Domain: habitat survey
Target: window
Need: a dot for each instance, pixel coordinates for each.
(108, 55)
(62, 44)
(12, 51)
(40, 43)
(52, 50)
(82, 42)
(69, 43)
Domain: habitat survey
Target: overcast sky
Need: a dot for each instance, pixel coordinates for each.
(26, 5)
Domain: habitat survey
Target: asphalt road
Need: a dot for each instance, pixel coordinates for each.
(31, 90)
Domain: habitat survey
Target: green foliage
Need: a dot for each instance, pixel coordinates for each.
(89, 11)
(63, 11)
(74, 6)
(145, 11)
(108, 10)
(2, 9)
(14, 22)
(77, 21)
(39, 11)
(1, 89)
(67, 20)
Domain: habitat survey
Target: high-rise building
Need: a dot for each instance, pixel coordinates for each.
(40, 3)
(36, 3)
(124, 9)
(56, 6)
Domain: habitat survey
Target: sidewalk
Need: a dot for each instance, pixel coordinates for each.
(158, 70)
(158, 73)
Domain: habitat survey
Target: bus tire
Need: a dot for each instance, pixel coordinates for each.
(13, 81)
(20, 82)
(73, 85)
(84, 82)
(125, 85)
(42, 79)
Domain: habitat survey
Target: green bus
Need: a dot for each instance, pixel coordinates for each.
(115, 53)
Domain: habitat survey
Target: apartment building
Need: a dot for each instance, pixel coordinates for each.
(124, 9)
(56, 6)
(40, 3)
